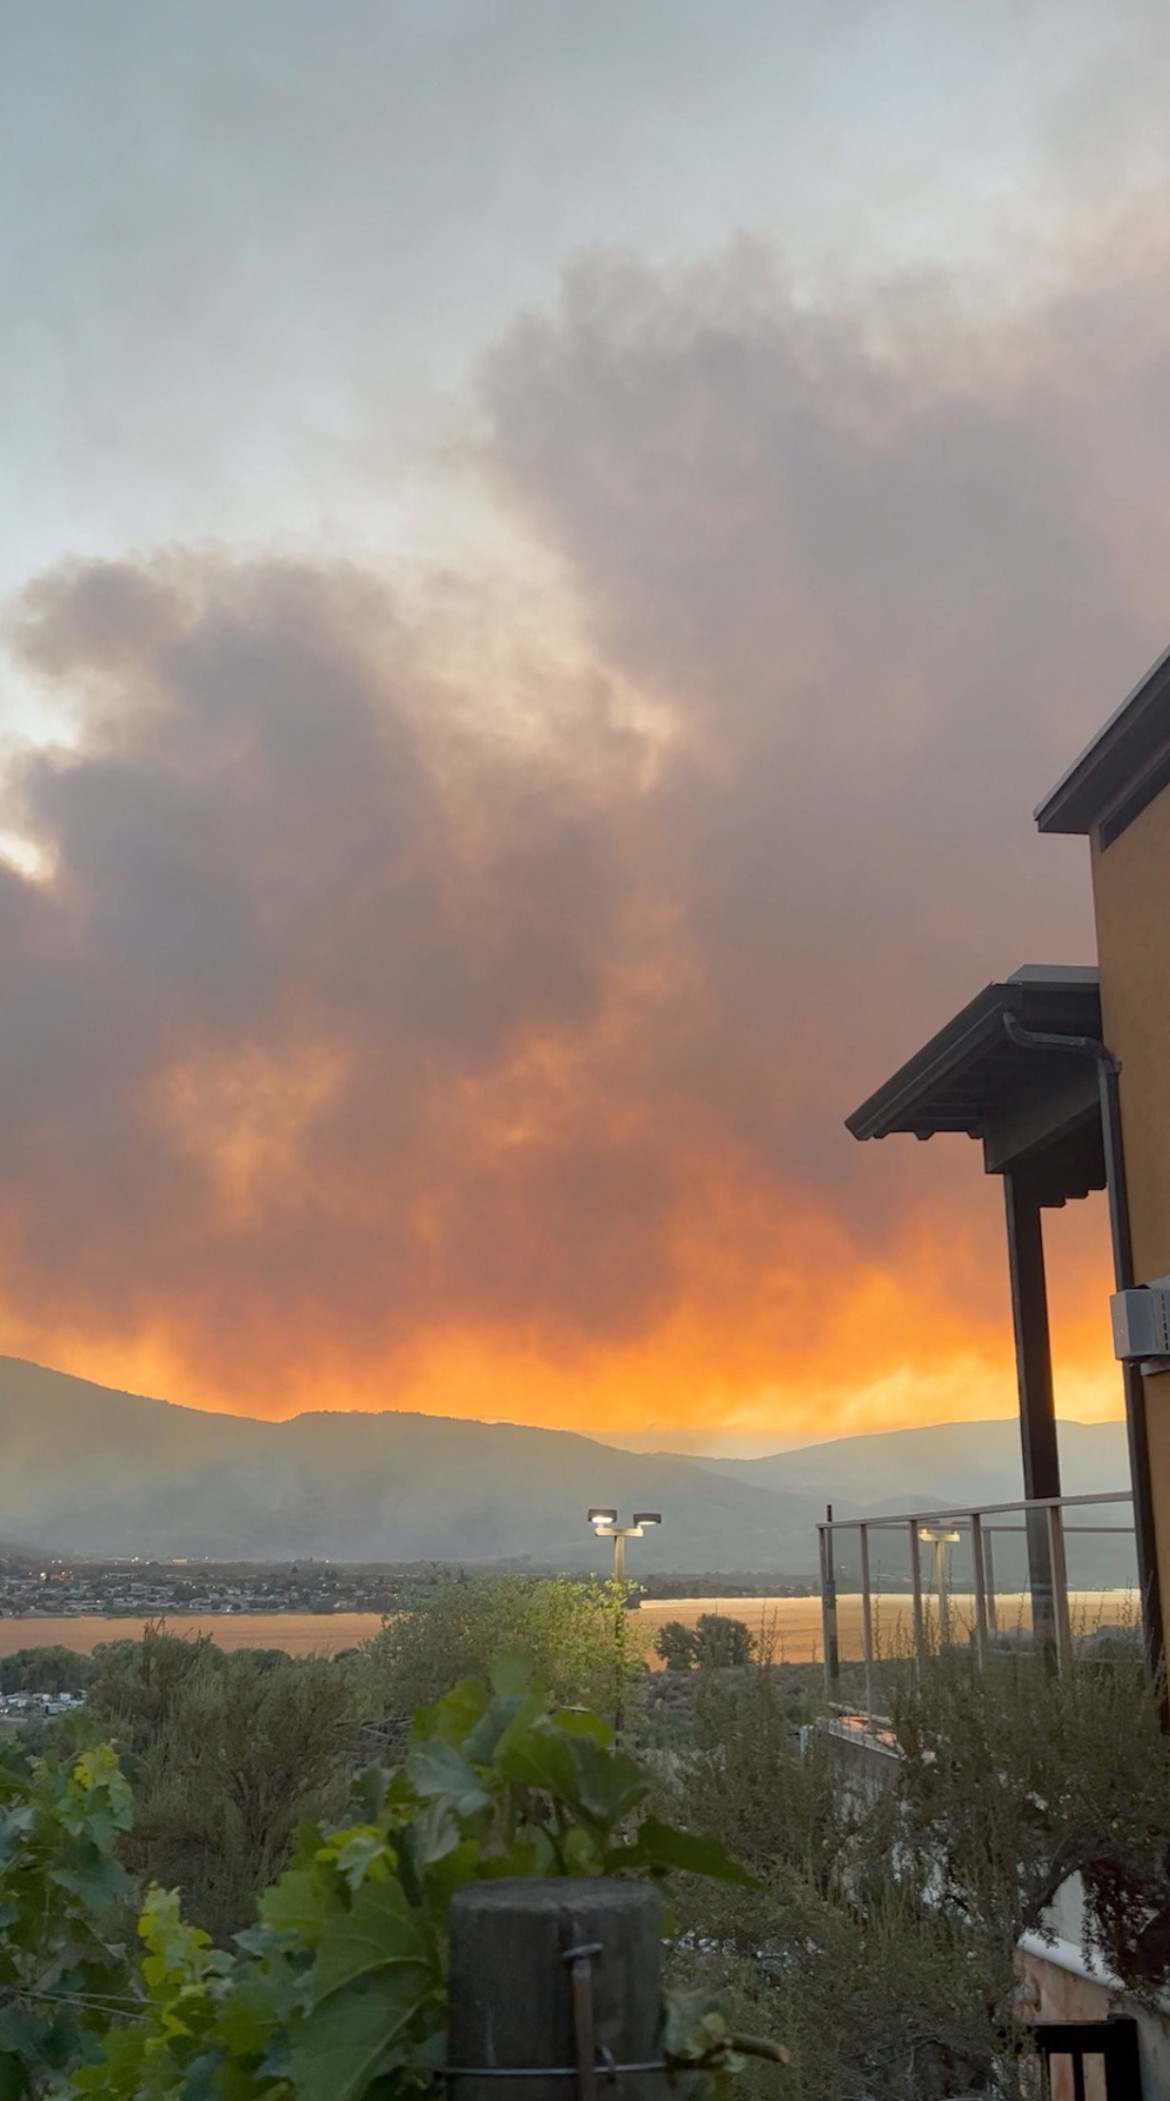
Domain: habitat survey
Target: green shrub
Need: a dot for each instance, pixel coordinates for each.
(722, 1643)
(1015, 1778)
(577, 1637)
(675, 1644)
(228, 1753)
(48, 1669)
(338, 1991)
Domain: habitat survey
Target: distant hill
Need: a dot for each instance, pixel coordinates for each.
(947, 1464)
(87, 1470)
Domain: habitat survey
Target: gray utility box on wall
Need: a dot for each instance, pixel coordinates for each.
(1141, 1321)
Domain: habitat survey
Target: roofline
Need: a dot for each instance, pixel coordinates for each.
(1116, 760)
(976, 1027)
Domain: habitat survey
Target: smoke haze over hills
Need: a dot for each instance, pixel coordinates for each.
(90, 1471)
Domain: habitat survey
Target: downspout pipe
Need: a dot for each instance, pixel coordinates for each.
(1108, 1072)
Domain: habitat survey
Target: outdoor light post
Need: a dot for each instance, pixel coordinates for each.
(940, 1540)
(605, 1525)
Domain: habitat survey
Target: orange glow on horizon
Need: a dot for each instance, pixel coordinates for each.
(808, 1346)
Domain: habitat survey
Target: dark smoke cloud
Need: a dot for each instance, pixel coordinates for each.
(356, 1011)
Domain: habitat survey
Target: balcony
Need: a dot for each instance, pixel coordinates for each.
(1056, 1573)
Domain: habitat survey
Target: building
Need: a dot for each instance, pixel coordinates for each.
(1063, 1075)
(1117, 795)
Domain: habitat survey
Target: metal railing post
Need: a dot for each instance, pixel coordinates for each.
(980, 1580)
(828, 1604)
(989, 1574)
(1056, 1557)
(866, 1618)
(916, 1583)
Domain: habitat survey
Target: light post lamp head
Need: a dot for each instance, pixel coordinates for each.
(603, 1522)
(605, 1526)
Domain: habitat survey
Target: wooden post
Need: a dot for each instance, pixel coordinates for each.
(1034, 1381)
(516, 2004)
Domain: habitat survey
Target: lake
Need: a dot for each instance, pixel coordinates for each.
(790, 1628)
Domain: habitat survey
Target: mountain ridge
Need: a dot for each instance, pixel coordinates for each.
(90, 1469)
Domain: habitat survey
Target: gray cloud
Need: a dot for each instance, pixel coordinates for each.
(349, 1017)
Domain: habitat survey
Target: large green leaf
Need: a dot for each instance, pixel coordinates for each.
(83, 1868)
(259, 2000)
(438, 1772)
(503, 1714)
(599, 1784)
(454, 1716)
(577, 1721)
(339, 2047)
(531, 1754)
(661, 1847)
(610, 1783)
(431, 1837)
(302, 1903)
(378, 1930)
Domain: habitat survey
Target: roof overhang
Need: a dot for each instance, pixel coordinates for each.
(1124, 768)
(1036, 1111)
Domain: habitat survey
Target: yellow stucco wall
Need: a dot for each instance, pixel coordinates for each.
(1131, 891)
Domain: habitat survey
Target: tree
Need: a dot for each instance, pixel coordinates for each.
(54, 1669)
(576, 1637)
(676, 1645)
(232, 1751)
(722, 1643)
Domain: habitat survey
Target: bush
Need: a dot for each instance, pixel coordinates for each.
(675, 1644)
(873, 1990)
(722, 1643)
(577, 1637)
(229, 1752)
(49, 1669)
(1016, 1778)
(881, 1942)
(338, 1993)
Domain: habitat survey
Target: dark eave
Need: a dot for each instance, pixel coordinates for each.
(971, 1077)
(1125, 766)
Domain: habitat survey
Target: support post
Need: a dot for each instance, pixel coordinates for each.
(866, 1619)
(1064, 1648)
(1034, 1381)
(989, 1574)
(979, 1578)
(916, 1589)
(829, 1604)
(1125, 1276)
(518, 2004)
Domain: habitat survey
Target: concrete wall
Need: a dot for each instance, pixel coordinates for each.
(1131, 891)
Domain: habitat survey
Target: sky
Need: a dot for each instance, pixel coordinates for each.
(547, 553)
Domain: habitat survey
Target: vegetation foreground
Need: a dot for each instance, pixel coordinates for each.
(230, 1876)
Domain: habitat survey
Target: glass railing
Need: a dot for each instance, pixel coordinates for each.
(1059, 1574)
